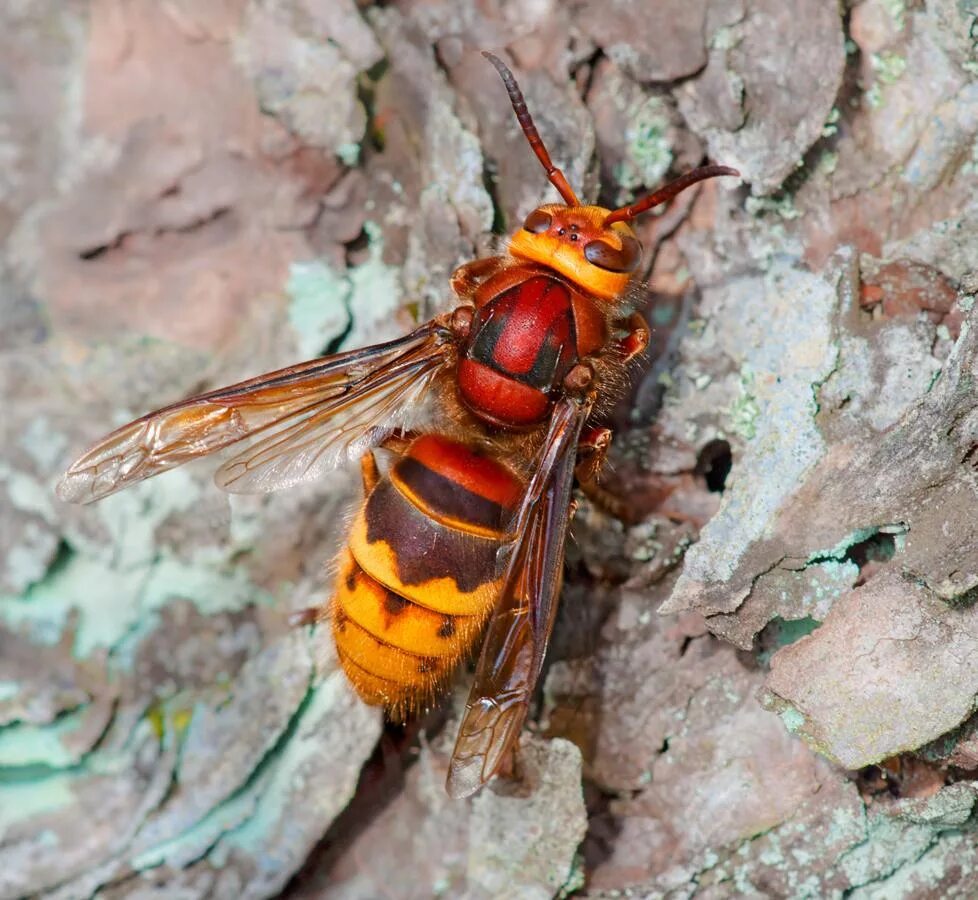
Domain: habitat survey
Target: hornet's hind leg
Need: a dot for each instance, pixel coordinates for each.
(592, 451)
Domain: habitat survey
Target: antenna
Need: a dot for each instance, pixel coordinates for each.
(667, 192)
(556, 177)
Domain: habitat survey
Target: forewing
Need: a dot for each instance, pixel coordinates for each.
(516, 639)
(306, 418)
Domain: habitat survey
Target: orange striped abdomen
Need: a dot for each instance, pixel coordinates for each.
(419, 577)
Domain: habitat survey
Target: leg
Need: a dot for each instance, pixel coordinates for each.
(399, 441)
(592, 453)
(308, 616)
(466, 278)
(592, 450)
(510, 777)
(369, 471)
(636, 340)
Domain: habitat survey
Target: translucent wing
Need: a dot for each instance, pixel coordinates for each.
(310, 417)
(516, 639)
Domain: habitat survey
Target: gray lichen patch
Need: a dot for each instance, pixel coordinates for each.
(882, 675)
(726, 796)
(661, 43)
(784, 326)
(761, 109)
(878, 379)
(304, 61)
(530, 840)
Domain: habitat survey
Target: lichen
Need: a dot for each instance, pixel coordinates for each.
(889, 66)
(744, 411)
(840, 550)
(318, 305)
(648, 152)
(831, 125)
(781, 205)
(788, 353)
(897, 11)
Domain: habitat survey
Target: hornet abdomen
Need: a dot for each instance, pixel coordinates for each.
(419, 577)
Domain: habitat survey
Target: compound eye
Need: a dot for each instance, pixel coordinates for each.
(538, 221)
(604, 256)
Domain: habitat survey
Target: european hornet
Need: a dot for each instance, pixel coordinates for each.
(463, 535)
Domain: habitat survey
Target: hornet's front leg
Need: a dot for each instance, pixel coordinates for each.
(466, 278)
(636, 338)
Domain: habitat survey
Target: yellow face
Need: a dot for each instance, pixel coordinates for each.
(574, 241)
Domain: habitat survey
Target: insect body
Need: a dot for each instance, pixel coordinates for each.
(419, 578)
(463, 535)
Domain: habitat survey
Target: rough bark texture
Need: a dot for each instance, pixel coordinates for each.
(763, 688)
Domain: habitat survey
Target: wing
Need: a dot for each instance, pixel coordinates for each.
(310, 418)
(516, 639)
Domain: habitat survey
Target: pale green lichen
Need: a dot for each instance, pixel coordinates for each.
(889, 845)
(874, 96)
(100, 595)
(576, 879)
(318, 305)
(793, 720)
(333, 309)
(132, 517)
(830, 580)
(116, 585)
(950, 854)
(27, 493)
(271, 836)
(783, 335)
(26, 561)
(459, 164)
(110, 587)
(349, 153)
(190, 844)
(744, 411)
(889, 66)
(23, 799)
(897, 12)
(782, 205)
(725, 38)
(827, 163)
(24, 744)
(842, 547)
(375, 293)
(43, 443)
(831, 125)
(648, 154)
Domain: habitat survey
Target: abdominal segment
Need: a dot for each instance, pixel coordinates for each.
(419, 577)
